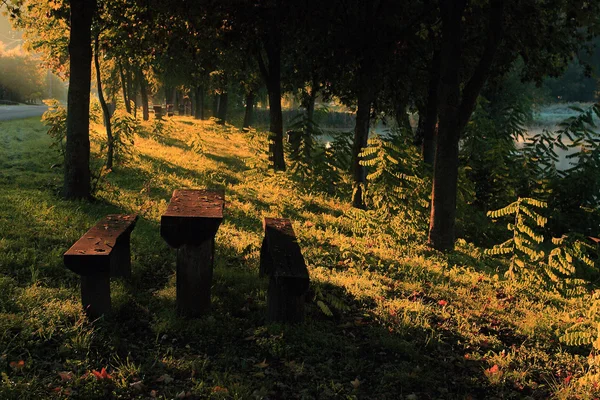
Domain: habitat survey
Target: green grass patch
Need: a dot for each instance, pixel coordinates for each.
(406, 322)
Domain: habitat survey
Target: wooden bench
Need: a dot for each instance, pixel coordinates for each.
(157, 112)
(282, 260)
(102, 252)
(190, 225)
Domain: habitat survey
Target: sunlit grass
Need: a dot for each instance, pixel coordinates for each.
(406, 320)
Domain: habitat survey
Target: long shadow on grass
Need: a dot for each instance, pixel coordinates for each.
(232, 163)
(321, 355)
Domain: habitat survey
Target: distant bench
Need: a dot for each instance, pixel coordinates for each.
(190, 225)
(282, 260)
(102, 252)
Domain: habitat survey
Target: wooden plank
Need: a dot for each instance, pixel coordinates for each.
(192, 216)
(92, 253)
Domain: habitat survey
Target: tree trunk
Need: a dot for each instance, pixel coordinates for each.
(249, 112)
(105, 110)
(272, 75)
(276, 128)
(310, 119)
(361, 133)
(77, 154)
(445, 169)
(144, 93)
(124, 88)
(223, 109)
(430, 115)
(215, 105)
(199, 103)
(134, 91)
(454, 113)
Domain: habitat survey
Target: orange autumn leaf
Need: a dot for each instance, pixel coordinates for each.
(65, 376)
(493, 370)
(219, 389)
(102, 374)
(17, 364)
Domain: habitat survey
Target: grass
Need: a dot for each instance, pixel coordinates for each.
(406, 323)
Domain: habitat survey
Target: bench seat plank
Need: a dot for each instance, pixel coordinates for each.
(192, 217)
(91, 253)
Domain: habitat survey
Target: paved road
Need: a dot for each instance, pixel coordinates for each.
(20, 112)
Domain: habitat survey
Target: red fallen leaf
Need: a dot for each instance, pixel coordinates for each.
(442, 303)
(568, 378)
(17, 364)
(102, 374)
(219, 389)
(494, 370)
(65, 376)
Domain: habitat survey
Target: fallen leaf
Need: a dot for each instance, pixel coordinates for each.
(493, 370)
(17, 364)
(102, 374)
(139, 386)
(165, 379)
(153, 393)
(219, 389)
(65, 376)
(262, 364)
(442, 303)
(355, 383)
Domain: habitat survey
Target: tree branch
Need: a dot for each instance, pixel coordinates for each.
(479, 77)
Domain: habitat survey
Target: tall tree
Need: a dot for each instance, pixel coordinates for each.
(544, 34)
(77, 182)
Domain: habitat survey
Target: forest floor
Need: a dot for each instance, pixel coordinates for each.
(387, 317)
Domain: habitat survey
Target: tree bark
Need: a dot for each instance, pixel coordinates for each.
(77, 154)
(124, 88)
(454, 114)
(215, 105)
(144, 93)
(105, 110)
(430, 117)
(223, 108)
(361, 132)
(249, 112)
(310, 119)
(272, 76)
(199, 103)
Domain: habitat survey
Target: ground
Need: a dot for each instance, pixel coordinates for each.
(387, 317)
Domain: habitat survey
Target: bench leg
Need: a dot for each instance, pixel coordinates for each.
(283, 304)
(95, 295)
(194, 278)
(120, 263)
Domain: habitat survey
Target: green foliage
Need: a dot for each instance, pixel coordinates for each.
(396, 181)
(523, 246)
(327, 301)
(124, 128)
(586, 331)
(55, 118)
(573, 191)
(95, 111)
